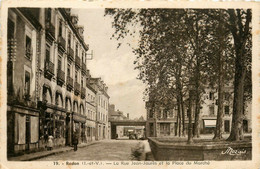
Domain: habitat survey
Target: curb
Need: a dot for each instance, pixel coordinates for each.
(49, 154)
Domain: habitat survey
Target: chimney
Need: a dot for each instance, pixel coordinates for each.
(127, 115)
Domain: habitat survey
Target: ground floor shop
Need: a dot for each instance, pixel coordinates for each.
(22, 129)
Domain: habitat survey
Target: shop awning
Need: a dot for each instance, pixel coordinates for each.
(210, 123)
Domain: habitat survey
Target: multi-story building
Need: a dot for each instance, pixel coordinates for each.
(62, 77)
(91, 113)
(102, 100)
(163, 122)
(48, 82)
(209, 110)
(23, 34)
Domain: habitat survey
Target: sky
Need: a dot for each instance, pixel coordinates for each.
(114, 66)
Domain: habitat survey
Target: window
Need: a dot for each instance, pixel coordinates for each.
(68, 70)
(47, 53)
(48, 14)
(211, 96)
(82, 81)
(226, 109)
(165, 113)
(226, 96)
(10, 33)
(60, 29)
(151, 113)
(77, 49)
(59, 63)
(171, 113)
(69, 39)
(211, 110)
(27, 84)
(76, 76)
(28, 47)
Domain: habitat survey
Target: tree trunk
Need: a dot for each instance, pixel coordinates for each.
(179, 113)
(240, 34)
(190, 139)
(237, 118)
(219, 125)
(183, 115)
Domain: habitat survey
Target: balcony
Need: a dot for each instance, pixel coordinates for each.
(76, 88)
(83, 92)
(49, 69)
(50, 30)
(60, 77)
(61, 44)
(69, 83)
(84, 68)
(70, 52)
(77, 62)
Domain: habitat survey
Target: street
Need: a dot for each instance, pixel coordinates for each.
(105, 150)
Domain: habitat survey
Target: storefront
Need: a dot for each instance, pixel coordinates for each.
(90, 130)
(79, 127)
(22, 129)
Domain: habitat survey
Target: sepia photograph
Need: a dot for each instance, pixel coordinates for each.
(131, 84)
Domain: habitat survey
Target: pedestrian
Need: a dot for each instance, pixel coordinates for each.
(50, 142)
(75, 141)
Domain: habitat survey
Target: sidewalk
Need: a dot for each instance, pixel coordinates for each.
(41, 154)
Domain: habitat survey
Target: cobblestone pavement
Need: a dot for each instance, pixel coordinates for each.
(106, 150)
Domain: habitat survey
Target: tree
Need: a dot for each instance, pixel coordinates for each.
(240, 27)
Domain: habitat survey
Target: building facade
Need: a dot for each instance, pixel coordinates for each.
(48, 82)
(22, 113)
(162, 121)
(102, 101)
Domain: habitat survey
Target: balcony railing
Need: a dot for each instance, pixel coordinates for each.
(69, 83)
(61, 43)
(83, 92)
(49, 68)
(84, 68)
(70, 54)
(50, 30)
(77, 62)
(76, 88)
(60, 77)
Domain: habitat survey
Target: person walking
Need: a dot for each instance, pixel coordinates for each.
(50, 142)
(75, 141)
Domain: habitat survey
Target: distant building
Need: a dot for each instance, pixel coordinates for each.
(102, 100)
(91, 113)
(163, 122)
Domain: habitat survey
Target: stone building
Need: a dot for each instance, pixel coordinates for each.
(48, 82)
(102, 101)
(91, 113)
(62, 77)
(23, 34)
(163, 122)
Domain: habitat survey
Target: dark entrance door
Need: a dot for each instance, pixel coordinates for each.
(227, 126)
(27, 133)
(113, 131)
